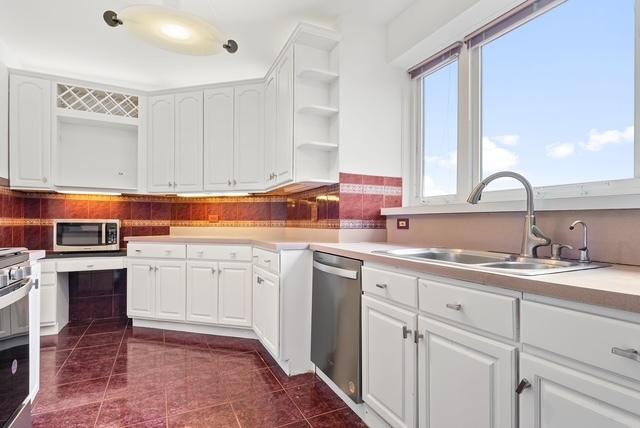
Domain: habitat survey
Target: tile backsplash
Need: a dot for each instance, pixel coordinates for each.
(26, 218)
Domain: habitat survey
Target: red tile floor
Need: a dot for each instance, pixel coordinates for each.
(107, 373)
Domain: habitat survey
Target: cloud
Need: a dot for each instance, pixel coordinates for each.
(495, 158)
(598, 140)
(508, 140)
(448, 161)
(430, 188)
(560, 150)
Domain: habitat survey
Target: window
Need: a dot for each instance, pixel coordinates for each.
(557, 98)
(548, 90)
(440, 130)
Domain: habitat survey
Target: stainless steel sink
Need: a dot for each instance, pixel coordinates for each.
(489, 261)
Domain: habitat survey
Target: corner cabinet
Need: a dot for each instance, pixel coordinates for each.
(266, 309)
(30, 115)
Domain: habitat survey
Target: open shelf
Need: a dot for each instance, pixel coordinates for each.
(319, 110)
(318, 75)
(318, 145)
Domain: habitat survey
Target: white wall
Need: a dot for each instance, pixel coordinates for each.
(371, 100)
(428, 26)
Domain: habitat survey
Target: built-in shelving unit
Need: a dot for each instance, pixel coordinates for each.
(316, 109)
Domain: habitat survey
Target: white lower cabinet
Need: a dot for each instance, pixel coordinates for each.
(234, 305)
(141, 288)
(561, 397)
(389, 361)
(266, 309)
(202, 291)
(465, 380)
(170, 290)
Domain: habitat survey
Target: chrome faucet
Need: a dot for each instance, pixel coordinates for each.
(533, 237)
(584, 250)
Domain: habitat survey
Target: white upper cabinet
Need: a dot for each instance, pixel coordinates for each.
(188, 142)
(249, 139)
(270, 135)
(218, 138)
(161, 145)
(284, 127)
(30, 132)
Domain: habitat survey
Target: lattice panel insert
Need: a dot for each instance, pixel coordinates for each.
(97, 101)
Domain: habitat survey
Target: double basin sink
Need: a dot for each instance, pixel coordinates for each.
(489, 261)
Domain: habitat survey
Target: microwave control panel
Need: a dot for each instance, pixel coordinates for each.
(112, 233)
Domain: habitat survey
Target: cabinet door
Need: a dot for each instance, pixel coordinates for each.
(171, 290)
(464, 379)
(218, 139)
(30, 132)
(161, 161)
(188, 146)
(389, 361)
(202, 292)
(270, 123)
(141, 288)
(234, 304)
(20, 317)
(561, 397)
(284, 127)
(5, 322)
(266, 309)
(249, 138)
(48, 304)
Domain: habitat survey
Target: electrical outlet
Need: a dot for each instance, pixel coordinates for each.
(214, 218)
(402, 223)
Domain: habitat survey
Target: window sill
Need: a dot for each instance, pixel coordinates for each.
(611, 202)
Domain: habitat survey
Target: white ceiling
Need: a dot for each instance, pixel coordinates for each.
(69, 37)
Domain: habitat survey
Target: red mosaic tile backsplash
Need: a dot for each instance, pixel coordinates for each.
(26, 218)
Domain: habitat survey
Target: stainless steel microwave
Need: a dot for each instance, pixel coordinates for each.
(86, 235)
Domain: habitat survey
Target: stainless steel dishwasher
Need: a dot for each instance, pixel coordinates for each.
(335, 321)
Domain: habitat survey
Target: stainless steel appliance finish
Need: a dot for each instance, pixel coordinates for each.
(489, 261)
(336, 322)
(86, 235)
(15, 284)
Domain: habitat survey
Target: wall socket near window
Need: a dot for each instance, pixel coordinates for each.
(402, 223)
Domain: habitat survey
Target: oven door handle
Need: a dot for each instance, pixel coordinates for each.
(20, 290)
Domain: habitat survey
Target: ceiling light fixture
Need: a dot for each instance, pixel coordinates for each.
(171, 30)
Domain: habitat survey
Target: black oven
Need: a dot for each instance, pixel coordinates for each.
(86, 235)
(15, 404)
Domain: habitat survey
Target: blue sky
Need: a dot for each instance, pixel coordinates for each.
(557, 100)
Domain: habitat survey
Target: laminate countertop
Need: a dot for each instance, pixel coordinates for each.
(272, 245)
(616, 286)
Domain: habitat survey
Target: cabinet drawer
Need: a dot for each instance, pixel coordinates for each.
(165, 251)
(584, 337)
(219, 252)
(266, 260)
(478, 309)
(393, 286)
(90, 263)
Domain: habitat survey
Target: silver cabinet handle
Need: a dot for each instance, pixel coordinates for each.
(454, 306)
(150, 268)
(213, 271)
(228, 182)
(44, 179)
(175, 184)
(234, 182)
(630, 353)
(169, 183)
(156, 268)
(200, 253)
(381, 285)
(138, 251)
(267, 261)
(259, 280)
(232, 255)
(417, 336)
(405, 332)
(89, 266)
(524, 384)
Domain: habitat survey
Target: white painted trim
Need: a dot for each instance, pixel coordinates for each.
(190, 327)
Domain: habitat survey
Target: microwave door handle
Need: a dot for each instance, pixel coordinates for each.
(104, 233)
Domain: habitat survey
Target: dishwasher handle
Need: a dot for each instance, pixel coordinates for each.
(344, 273)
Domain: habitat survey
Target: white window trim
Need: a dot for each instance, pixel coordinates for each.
(611, 194)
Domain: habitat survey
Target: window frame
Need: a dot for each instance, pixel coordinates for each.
(622, 193)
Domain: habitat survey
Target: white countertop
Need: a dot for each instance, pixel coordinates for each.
(273, 245)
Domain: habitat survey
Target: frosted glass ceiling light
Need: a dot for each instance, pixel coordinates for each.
(171, 30)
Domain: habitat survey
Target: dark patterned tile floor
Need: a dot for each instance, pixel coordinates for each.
(110, 374)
